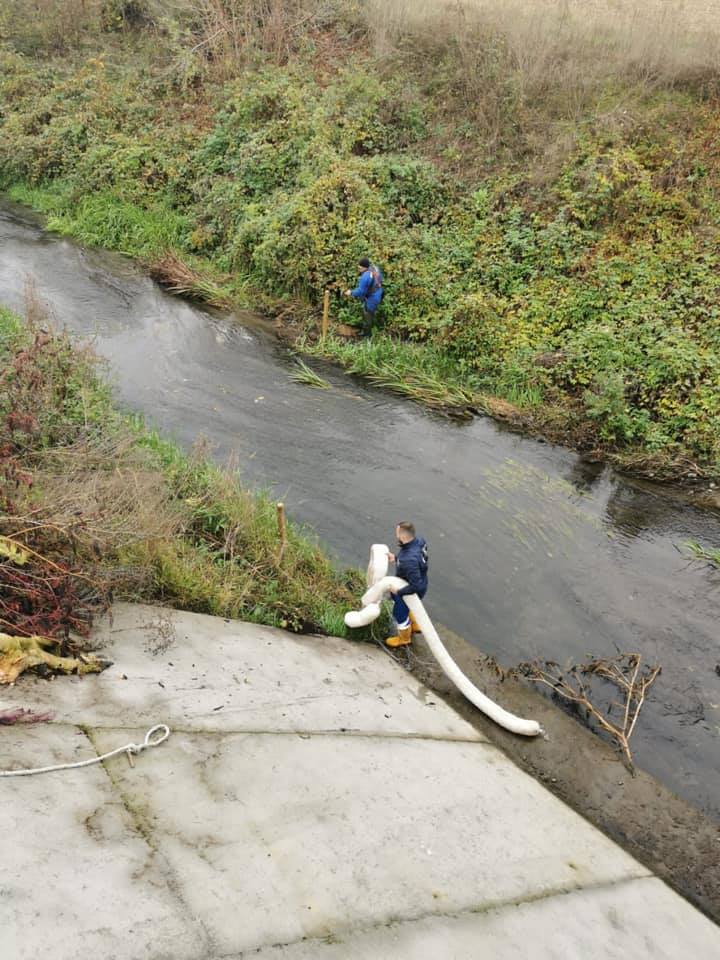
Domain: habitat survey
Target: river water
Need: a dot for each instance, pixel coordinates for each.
(534, 553)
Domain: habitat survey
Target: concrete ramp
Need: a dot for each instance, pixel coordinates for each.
(312, 801)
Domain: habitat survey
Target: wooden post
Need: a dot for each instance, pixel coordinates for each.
(326, 313)
(282, 529)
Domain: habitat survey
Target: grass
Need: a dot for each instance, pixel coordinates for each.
(11, 327)
(303, 374)
(424, 374)
(104, 220)
(538, 180)
(700, 552)
(417, 372)
(95, 491)
(566, 43)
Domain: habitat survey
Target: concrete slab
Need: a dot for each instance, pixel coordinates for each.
(204, 673)
(329, 809)
(274, 838)
(636, 918)
(79, 879)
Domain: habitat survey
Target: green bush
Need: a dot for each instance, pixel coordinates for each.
(601, 253)
(476, 333)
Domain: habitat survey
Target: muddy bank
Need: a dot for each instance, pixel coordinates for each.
(667, 834)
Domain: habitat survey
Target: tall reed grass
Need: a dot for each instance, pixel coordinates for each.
(511, 66)
(518, 62)
(501, 51)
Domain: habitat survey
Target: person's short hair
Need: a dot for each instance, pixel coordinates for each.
(364, 262)
(407, 527)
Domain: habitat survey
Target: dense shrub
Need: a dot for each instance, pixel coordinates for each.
(284, 175)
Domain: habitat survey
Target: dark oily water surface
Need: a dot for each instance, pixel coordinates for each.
(533, 552)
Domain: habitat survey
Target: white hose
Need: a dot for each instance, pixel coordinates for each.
(380, 584)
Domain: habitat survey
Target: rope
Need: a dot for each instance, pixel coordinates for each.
(130, 749)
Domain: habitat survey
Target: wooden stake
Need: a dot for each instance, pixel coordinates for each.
(282, 529)
(326, 313)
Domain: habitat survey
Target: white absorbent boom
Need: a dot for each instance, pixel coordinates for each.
(379, 584)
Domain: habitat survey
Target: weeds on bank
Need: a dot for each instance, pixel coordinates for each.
(105, 220)
(537, 181)
(50, 580)
(94, 506)
(416, 372)
(303, 374)
(703, 553)
(229, 562)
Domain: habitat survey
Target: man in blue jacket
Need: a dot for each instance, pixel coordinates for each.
(412, 565)
(370, 291)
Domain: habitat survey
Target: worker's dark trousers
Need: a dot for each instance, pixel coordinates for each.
(401, 613)
(368, 322)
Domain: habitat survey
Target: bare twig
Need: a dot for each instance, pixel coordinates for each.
(625, 672)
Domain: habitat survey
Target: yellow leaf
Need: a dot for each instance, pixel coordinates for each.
(12, 552)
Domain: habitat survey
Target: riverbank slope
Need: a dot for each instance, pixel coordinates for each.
(549, 236)
(96, 506)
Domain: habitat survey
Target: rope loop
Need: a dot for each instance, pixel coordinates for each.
(153, 738)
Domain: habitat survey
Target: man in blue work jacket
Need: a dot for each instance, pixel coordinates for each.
(412, 565)
(370, 291)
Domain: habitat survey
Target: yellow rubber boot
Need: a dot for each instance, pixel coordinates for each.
(415, 628)
(403, 638)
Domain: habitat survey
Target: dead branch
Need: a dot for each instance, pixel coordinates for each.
(574, 684)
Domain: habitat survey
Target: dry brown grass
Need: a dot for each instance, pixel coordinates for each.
(179, 278)
(104, 493)
(77, 490)
(521, 49)
(230, 32)
(47, 25)
(514, 68)
(86, 528)
(554, 58)
(668, 38)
